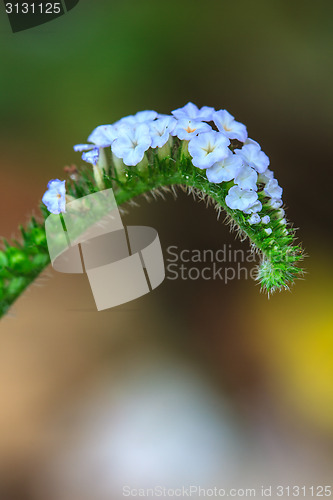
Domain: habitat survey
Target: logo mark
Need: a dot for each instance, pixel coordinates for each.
(122, 263)
(28, 14)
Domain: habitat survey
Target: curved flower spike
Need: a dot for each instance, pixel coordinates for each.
(222, 164)
(147, 152)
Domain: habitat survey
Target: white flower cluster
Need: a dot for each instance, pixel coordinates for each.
(216, 142)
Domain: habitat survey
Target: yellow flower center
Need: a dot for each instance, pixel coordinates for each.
(209, 149)
(190, 130)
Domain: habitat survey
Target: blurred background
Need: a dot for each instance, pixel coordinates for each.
(198, 382)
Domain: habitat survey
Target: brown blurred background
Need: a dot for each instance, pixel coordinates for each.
(198, 382)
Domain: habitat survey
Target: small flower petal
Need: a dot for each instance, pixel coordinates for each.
(247, 178)
(256, 207)
(91, 156)
(208, 148)
(266, 219)
(266, 176)
(224, 170)
(161, 129)
(57, 185)
(140, 117)
(54, 197)
(227, 124)
(254, 219)
(103, 136)
(83, 147)
(254, 157)
(191, 112)
(132, 143)
(240, 199)
(273, 189)
(252, 141)
(186, 129)
(275, 203)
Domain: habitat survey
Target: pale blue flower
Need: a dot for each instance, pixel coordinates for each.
(268, 230)
(275, 203)
(227, 124)
(161, 129)
(103, 136)
(256, 207)
(254, 219)
(208, 148)
(91, 156)
(54, 197)
(252, 155)
(273, 189)
(91, 152)
(266, 219)
(132, 143)
(241, 199)
(251, 141)
(247, 178)
(191, 112)
(266, 176)
(185, 129)
(83, 147)
(140, 117)
(225, 170)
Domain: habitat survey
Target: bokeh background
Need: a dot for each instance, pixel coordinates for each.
(198, 382)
